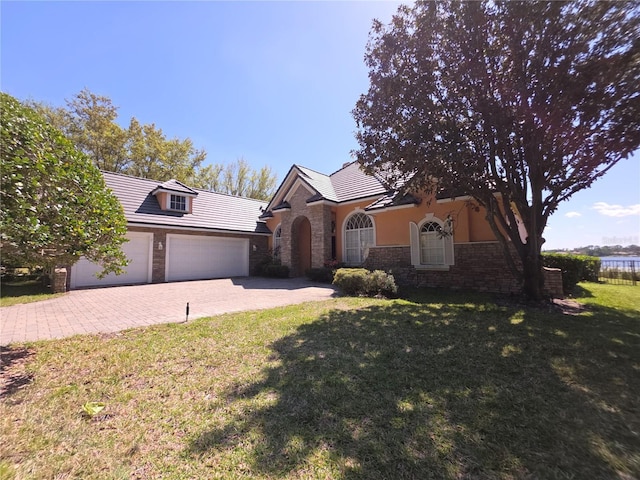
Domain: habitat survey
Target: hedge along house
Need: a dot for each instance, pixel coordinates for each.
(179, 233)
(352, 218)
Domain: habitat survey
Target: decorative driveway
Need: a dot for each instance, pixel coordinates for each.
(105, 310)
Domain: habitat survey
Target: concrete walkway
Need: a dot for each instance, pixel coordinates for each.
(105, 310)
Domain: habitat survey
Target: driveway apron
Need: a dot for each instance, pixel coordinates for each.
(106, 310)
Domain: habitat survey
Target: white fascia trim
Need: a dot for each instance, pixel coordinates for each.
(284, 187)
(194, 229)
(455, 199)
(320, 202)
(373, 211)
(362, 199)
(175, 192)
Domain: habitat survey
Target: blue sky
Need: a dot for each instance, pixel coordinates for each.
(272, 82)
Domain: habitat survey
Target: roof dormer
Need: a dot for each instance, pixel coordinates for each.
(174, 196)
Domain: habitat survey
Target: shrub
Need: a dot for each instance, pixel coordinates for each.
(324, 274)
(575, 268)
(360, 281)
(380, 283)
(591, 269)
(351, 280)
(270, 267)
(274, 270)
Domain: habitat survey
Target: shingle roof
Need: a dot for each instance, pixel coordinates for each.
(175, 186)
(393, 199)
(320, 182)
(347, 184)
(214, 211)
(351, 183)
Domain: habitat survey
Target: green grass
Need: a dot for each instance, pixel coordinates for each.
(441, 385)
(24, 292)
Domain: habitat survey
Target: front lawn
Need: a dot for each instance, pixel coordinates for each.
(14, 293)
(441, 386)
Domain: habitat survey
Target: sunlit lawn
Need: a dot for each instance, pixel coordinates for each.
(442, 385)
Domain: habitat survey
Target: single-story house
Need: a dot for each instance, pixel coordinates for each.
(180, 233)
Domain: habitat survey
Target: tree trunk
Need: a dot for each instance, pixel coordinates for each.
(533, 275)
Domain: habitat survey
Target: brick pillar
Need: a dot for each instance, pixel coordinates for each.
(59, 280)
(320, 218)
(553, 282)
(285, 239)
(159, 257)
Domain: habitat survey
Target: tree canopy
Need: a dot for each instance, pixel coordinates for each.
(55, 204)
(143, 150)
(518, 105)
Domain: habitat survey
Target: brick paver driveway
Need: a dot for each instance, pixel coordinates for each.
(112, 309)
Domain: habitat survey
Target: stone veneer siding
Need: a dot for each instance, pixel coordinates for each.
(319, 216)
(478, 266)
(160, 235)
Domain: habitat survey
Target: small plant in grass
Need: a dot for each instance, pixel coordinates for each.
(91, 409)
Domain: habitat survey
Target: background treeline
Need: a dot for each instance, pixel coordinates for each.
(143, 150)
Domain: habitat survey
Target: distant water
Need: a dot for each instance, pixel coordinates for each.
(621, 259)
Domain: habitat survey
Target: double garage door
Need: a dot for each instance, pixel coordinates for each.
(193, 257)
(188, 257)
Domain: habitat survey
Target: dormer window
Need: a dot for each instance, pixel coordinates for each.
(174, 196)
(178, 202)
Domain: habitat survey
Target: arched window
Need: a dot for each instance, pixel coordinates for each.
(358, 236)
(277, 237)
(431, 244)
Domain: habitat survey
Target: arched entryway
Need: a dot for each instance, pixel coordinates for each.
(300, 246)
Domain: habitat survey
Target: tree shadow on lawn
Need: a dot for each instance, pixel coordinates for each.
(448, 390)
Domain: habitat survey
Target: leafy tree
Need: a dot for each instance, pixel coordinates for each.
(516, 104)
(55, 205)
(237, 178)
(152, 155)
(93, 129)
(90, 122)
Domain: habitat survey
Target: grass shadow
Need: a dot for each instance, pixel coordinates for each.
(19, 289)
(443, 386)
(12, 374)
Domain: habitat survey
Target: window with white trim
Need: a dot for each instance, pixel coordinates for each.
(178, 202)
(431, 244)
(358, 236)
(277, 237)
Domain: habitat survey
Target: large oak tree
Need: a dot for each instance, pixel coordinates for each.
(518, 105)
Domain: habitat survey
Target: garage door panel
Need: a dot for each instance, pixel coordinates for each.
(138, 252)
(196, 257)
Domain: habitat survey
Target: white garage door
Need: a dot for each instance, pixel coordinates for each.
(195, 257)
(138, 250)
